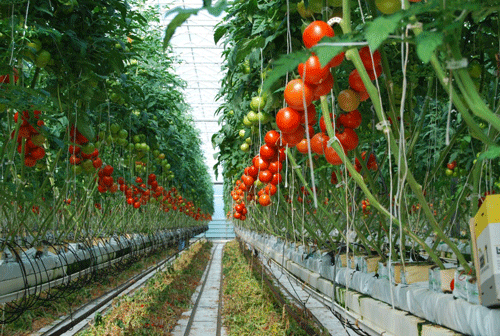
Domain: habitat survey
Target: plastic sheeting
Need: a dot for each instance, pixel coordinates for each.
(444, 309)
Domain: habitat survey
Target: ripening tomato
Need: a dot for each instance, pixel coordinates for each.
(315, 32)
(298, 94)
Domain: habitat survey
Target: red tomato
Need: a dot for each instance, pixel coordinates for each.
(282, 155)
(264, 200)
(97, 163)
(351, 119)
(355, 81)
(332, 157)
(288, 120)
(366, 57)
(318, 143)
(298, 94)
(259, 163)
(267, 152)
(348, 138)
(303, 146)
(311, 71)
(311, 115)
(322, 125)
(276, 179)
(275, 167)
(315, 32)
(265, 176)
(253, 171)
(336, 61)
(292, 139)
(324, 87)
(108, 170)
(272, 138)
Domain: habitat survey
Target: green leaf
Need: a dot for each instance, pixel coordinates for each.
(180, 18)
(218, 8)
(380, 29)
(427, 42)
(283, 65)
(83, 124)
(492, 153)
(219, 32)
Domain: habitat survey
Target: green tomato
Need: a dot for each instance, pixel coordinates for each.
(35, 45)
(77, 169)
(448, 172)
(115, 128)
(475, 70)
(130, 146)
(161, 156)
(388, 7)
(156, 152)
(242, 133)
(88, 148)
(248, 140)
(123, 134)
(253, 117)
(88, 167)
(138, 147)
(247, 122)
(257, 103)
(136, 138)
(264, 117)
(42, 59)
(231, 112)
(304, 12)
(245, 147)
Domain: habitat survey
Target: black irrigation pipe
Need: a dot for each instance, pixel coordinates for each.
(298, 312)
(33, 297)
(65, 326)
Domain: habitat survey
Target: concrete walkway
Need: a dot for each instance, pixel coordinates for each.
(204, 318)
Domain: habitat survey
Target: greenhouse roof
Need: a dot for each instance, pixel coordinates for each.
(193, 43)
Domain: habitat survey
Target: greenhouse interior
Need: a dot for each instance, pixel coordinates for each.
(250, 167)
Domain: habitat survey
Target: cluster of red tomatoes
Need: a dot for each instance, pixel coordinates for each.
(365, 206)
(105, 180)
(33, 144)
(139, 194)
(84, 154)
(299, 117)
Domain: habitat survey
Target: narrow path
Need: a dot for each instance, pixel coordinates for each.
(204, 319)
